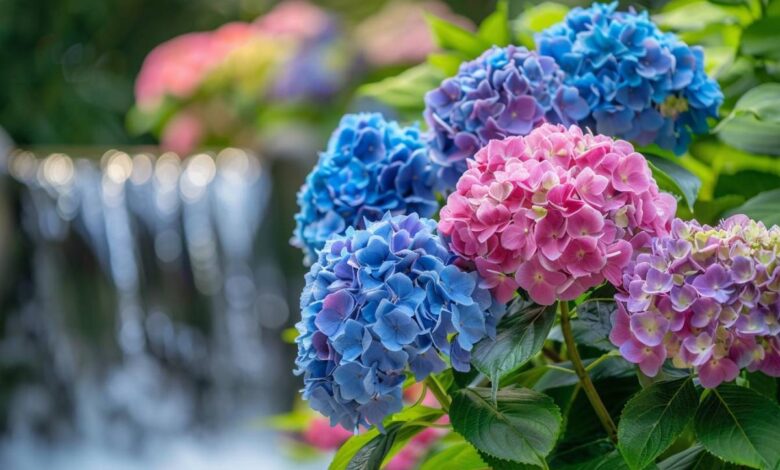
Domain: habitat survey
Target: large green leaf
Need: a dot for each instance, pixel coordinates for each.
(452, 37)
(760, 39)
(675, 179)
(764, 207)
(754, 124)
(740, 425)
(536, 19)
(494, 29)
(520, 336)
(369, 449)
(459, 456)
(405, 91)
(521, 425)
(654, 418)
(763, 384)
(694, 458)
(593, 324)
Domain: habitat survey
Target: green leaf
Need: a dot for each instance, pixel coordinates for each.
(450, 36)
(447, 62)
(710, 212)
(675, 179)
(746, 183)
(611, 461)
(764, 207)
(521, 425)
(654, 418)
(740, 425)
(371, 455)
(593, 324)
(536, 19)
(694, 458)
(763, 384)
(364, 450)
(760, 39)
(460, 456)
(494, 29)
(754, 124)
(405, 91)
(520, 336)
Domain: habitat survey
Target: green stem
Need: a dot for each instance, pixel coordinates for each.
(579, 368)
(441, 396)
(598, 361)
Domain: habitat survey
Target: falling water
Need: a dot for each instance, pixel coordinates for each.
(149, 326)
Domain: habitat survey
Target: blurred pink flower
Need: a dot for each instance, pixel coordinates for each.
(399, 34)
(321, 435)
(175, 67)
(182, 134)
(408, 457)
(295, 19)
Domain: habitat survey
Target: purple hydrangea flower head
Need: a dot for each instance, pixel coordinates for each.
(371, 166)
(381, 302)
(707, 298)
(505, 92)
(640, 83)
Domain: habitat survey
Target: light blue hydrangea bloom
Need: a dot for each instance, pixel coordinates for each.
(641, 84)
(381, 302)
(371, 166)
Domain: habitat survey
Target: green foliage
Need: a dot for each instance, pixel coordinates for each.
(369, 449)
(406, 91)
(764, 207)
(675, 179)
(654, 418)
(740, 425)
(450, 36)
(520, 336)
(760, 39)
(694, 458)
(754, 124)
(536, 19)
(495, 28)
(459, 456)
(593, 324)
(520, 425)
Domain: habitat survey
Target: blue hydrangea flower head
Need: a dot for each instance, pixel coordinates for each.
(379, 303)
(641, 84)
(371, 166)
(505, 92)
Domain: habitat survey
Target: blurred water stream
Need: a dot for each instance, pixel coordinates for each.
(145, 329)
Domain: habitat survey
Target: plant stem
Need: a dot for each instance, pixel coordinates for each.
(579, 368)
(551, 354)
(441, 396)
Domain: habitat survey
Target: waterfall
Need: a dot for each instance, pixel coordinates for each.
(153, 309)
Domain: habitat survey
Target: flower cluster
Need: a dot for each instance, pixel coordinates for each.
(640, 83)
(554, 212)
(505, 92)
(706, 297)
(379, 302)
(371, 166)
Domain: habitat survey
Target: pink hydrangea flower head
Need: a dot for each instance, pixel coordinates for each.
(708, 298)
(555, 212)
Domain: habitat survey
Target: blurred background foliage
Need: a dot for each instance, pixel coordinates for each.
(70, 65)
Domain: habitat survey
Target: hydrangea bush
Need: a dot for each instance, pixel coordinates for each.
(555, 212)
(371, 166)
(640, 83)
(706, 297)
(565, 284)
(379, 302)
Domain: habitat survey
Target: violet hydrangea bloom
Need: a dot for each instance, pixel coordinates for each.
(371, 166)
(505, 92)
(641, 84)
(554, 212)
(380, 302)
(706, 297)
